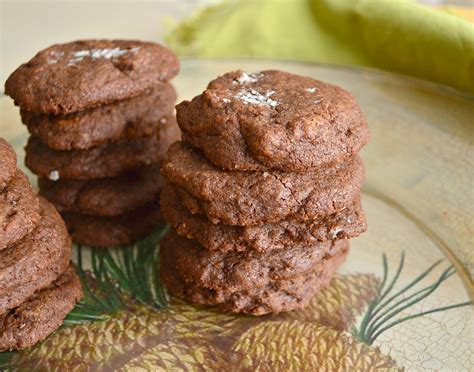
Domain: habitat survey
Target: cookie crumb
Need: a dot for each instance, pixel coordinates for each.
(53, 175)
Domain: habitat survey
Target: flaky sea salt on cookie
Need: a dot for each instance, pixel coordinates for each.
(273, 120)
(66, 78)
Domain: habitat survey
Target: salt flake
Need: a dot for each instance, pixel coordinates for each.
(311, 90)
(249, 78)
(53, 175)
(254, 97)
(97, 53)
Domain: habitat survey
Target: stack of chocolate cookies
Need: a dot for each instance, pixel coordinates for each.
(263, 192)
(100, 114)
(38, 285)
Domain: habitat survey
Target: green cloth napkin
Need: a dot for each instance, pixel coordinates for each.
(397, 35)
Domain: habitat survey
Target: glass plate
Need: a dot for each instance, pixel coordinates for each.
(418, 197)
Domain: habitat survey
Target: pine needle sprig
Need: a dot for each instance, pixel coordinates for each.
(117, 278)
(382, 310)
(5, 360)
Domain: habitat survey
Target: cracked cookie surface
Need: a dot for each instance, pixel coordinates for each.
(273, 297)
(41, 314)
(257, 197)
(348, 223)
(104, 161)
(237, 271)
(7, 163)
(66, 78)
(132, 118)
(19, 210)
(107, 197)
(36, 261)
(273, 120)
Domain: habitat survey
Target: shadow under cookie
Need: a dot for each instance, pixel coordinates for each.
(103, 232)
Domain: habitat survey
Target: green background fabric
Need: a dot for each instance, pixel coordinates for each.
(397, 35)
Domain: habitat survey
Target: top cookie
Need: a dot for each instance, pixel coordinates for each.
(273, 120)
(7, 163)
(66, 78)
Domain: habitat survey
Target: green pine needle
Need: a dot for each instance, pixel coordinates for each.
(372, 305)
(5, 359)
(379, 313)
(117, 276)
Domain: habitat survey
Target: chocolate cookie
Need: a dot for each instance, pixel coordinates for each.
(36, 261)
(104, 161)
(345, 224)
(238, 271)
(273, 120)
(127, 119)
(113, 231)
(19, 210)
(72, 77)
(252, 198)
(274, 297)
(7, 163)
(41, 314)
(107, 197)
